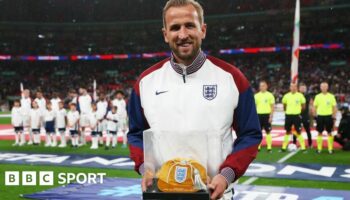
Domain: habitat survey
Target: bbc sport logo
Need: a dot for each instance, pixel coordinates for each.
(47, 178)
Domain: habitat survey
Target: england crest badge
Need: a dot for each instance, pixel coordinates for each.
(180, 174)
(210, 91)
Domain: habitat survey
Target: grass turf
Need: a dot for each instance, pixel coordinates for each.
(302, 183)
(14, 192)
(339, 157)
(6, 145)
(5, 120)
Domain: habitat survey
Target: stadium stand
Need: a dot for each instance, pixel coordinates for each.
(54, 34)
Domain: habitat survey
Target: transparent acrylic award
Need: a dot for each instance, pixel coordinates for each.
(177, 163)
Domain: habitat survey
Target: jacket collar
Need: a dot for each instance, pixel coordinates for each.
(190, 69)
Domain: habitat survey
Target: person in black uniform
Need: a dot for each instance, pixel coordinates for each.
(305, 115)
(343, 136)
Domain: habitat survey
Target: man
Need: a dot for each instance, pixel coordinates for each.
(305, 114)
(265, 102)
(343, 136)
(70, 98)
(325, 109)
(102, 109)
(55, 100)
(293, 103)
(120, 103)
(41, 101)
(26, 104)
(83, 102)
(192, 91)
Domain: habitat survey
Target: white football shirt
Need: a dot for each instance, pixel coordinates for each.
(102, 107)
(61, 118)
(49, 115)
(121, 107)
(72, 118)
(26, 104)
(112, 117)
(16, 116)
(54, 103)
(84, 102)
(35, 116)
(41, 103)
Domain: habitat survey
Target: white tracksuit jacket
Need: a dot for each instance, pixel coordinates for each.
(209, 95)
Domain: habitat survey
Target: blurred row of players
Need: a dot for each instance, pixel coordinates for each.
(110, 118)
(102, 117)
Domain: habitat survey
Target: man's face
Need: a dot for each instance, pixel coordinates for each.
(54, 95)
(102, 97)
(324, 87)
(293, 87)
(263, 86)
(183, 32)
(302, 88)
(81, 91)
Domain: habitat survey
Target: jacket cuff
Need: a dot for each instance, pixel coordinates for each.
(228, 174)
(142, 169)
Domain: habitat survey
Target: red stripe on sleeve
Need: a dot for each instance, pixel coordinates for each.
(240, 80)
(240, 160)
(136, 154)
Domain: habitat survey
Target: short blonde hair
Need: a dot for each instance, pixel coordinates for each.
(179, 3)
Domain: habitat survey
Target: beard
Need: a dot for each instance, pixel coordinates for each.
(188, 56)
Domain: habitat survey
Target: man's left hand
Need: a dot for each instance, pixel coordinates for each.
(217, 186)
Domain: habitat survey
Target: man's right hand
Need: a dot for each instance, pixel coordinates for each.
(146, 182)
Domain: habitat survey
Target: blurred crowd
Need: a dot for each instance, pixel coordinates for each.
(314, 67)
(124, 10)
(236, 24)
(227, 28)
(62, 77)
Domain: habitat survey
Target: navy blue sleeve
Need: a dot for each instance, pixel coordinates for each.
(137, 124)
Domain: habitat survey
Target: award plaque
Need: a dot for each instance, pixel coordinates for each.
(177, 164)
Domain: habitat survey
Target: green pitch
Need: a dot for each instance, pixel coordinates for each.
(338, 158)
(5, 120)
(6, 145)
(14, 192)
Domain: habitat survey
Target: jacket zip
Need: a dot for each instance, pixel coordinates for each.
(184, 72)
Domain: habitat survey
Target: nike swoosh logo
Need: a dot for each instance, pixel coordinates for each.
(161, 92)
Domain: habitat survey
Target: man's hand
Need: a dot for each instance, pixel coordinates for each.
(146, 182)
(217, 186)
